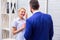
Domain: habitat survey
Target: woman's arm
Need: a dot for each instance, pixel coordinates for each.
(15, 31)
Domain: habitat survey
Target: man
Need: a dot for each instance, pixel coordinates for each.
(39, 26)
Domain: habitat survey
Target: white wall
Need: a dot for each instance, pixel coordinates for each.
(54, 10)
(0, 22)
(43, 5)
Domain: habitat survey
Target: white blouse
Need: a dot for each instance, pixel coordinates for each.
(18, 23)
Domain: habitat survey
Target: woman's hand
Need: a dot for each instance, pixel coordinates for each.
(26, 15)
(22, 28)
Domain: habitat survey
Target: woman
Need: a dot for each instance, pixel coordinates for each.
(19, 24)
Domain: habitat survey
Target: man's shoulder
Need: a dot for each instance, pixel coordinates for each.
(38, 15)
(47, 16)
(29, 19)
(34, 16)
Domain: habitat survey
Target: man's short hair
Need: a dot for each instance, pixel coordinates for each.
(34, 4)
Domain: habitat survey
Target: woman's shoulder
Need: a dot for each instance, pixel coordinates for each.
(16, 19)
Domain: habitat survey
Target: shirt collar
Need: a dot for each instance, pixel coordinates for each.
(35, 11)
(20, 19)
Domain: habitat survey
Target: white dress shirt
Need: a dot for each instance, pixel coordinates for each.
(35, 11)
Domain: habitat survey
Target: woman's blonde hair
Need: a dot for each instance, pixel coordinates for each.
(21, 8)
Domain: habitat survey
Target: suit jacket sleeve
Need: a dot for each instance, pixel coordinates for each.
(51, 28)
(28, 30)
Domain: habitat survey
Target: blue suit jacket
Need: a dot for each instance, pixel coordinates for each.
(39, 27)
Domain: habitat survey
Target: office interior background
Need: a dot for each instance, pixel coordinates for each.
(8, 12)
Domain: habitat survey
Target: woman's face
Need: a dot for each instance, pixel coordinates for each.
(22, 13)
